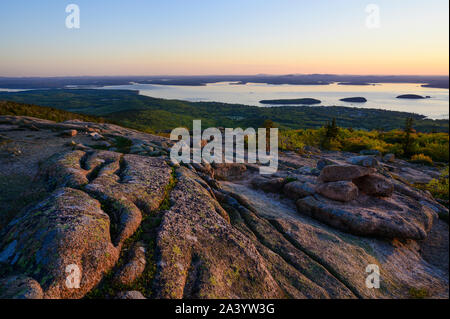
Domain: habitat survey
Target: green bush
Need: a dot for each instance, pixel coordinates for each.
(422, 159)
(427, 147)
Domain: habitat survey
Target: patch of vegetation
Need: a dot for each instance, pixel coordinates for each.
(439, 187)
(290, 180)
(418, 293)
(122, 144)
(422, 159)
(421, 146)
(46, 113)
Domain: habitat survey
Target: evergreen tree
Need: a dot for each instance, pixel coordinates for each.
(409, 139)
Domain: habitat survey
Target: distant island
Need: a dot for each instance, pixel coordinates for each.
(355, 83)
(305, 101)
(354, 100)
(412, 97)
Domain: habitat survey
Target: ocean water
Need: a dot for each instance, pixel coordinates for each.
(379, 96)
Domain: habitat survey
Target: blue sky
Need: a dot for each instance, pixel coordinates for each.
(223, 37)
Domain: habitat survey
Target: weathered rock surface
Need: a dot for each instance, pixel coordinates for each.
(344, 256)
(68, 228)
(128, 186)
(216, 238)
(396, 217)
(343, 191)
(200, 255)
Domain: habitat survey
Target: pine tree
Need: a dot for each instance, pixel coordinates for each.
(408, 140)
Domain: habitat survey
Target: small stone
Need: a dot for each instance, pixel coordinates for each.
(69, 133)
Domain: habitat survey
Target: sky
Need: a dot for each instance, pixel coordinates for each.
(206, 37)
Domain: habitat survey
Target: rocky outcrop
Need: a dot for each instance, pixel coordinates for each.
(134, 185)
(68, 233)
(200, 255)
(219, 231)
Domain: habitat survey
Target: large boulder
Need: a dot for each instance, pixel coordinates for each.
(375, 185)
(335, 173)
(66, 233)
(343, 191)
(396, 217)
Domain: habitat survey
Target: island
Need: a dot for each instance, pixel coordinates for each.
(305, 101)
(412, 97)
(354, 100)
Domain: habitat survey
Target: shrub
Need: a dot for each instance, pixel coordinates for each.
(439, 187)
(421, 159)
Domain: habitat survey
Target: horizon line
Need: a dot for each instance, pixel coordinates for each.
(208, 75)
